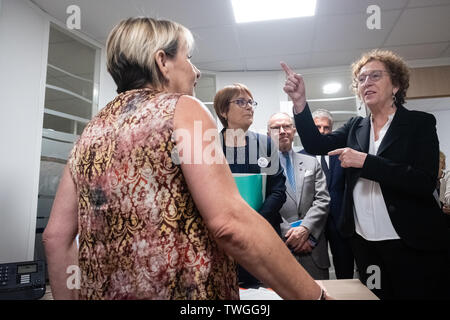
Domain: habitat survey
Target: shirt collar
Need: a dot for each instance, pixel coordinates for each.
(390, 117)
(287, 152)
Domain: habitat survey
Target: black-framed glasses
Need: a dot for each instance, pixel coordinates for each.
(243, 103)
(286, 127)
(374, 76)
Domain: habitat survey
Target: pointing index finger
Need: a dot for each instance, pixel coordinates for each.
(286, 68)
(335, 152)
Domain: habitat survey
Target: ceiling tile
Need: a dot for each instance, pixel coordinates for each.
(421, 25)
(332, 7)
(336, 36)
(273, 62)
(225, 65)
(191, 13)
(427, 3)
(109, 11)
(276, 37)
(347, 32)
(115, 10)
(424, 51)
(338, 58)
(215, 44)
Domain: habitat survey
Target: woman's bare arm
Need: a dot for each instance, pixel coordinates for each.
(237, 228)
(59, 238)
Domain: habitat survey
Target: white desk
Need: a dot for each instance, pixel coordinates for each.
(348, 289)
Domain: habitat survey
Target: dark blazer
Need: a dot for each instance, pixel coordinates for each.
(405, 166)
(275, 187)
(336, 185)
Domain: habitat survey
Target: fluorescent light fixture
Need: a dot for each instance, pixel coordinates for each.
(331, 88)
(261, 10)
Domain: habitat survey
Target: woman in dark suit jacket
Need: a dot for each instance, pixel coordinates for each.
(250, 152)
(391, 160)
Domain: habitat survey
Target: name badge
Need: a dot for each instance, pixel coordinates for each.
(263, 162)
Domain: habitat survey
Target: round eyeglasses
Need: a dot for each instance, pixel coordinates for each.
(285, 127)
(373, 76)
(243, 103)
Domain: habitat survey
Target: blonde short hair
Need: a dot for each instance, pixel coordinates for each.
(395, 65)
(132, 46)
(223, 98)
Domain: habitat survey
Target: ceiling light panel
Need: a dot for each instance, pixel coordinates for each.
(332, 88)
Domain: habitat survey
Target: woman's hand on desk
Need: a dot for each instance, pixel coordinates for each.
(325, 292)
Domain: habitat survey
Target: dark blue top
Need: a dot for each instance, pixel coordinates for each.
(260, 146)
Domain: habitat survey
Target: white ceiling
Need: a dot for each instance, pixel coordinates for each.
(335, 36)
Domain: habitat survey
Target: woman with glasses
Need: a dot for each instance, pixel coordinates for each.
(250, 152)
(391, 162)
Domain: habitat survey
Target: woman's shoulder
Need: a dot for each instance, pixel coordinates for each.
(420, 116)
(357, 120)
(187, 99)
(191, 106)
(131, 99)
(190, 112)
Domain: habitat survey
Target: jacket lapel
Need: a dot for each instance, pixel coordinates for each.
(299, 171)
(363, 134)
(399, 122)
(331, 170)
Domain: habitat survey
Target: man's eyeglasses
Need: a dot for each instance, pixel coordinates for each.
(243, 103)
(374, 76)
(286, 127)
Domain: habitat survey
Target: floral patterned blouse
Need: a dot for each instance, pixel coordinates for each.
(140, 233)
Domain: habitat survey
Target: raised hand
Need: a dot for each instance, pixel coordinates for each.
(295, 88)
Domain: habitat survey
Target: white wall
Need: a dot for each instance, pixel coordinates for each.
(24, 31)
(443, 131)
(107, 91)
(23, 56)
